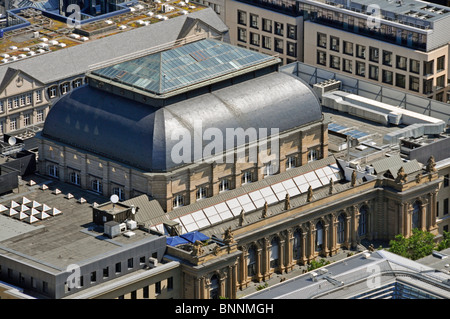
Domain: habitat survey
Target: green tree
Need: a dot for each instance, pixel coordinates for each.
(445, 243)
(419, 245)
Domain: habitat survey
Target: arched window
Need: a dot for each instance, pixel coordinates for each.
(362, 224)
(214, 288)
(341, 229)
(297, 246)
(319, 236)
(274, 253)
(251, 261)
(416, 215)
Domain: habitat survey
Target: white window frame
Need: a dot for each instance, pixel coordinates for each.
(268, 169)
(15, 102)
(22, 100)
(2, 106)
(96, 186)
(39, 96)
(13, 124)
(75, 178)
(178, 201)
(313, 155)
(77, 83)
(53, 91)
(40, 116)
(201, 193)
(290, 162)
(224, 185)
(9, 103)
(246, 177)
(53, 170)
(119, 191)
(27, 119)
(65, 87)
(29, 98)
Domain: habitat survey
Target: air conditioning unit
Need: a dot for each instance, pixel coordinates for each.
(131, 224)
(153, 262)
(313, 275)
(123, 227)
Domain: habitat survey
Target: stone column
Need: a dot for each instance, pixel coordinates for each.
(355, 222)
(258, 263)
(289, 249)
(222, 285)
(347, 231)
(423, 215)
(326, 227)
(266, 263)
(303, 247)
(312, 241)
(281, 255)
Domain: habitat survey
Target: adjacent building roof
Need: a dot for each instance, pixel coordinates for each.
(76, 60)
(141, 135)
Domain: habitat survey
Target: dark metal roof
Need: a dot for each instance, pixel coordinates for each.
(141, 136)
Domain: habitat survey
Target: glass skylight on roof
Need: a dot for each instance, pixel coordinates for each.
(173, 69)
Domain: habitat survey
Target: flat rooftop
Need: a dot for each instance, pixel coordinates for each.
(399, 278)
(66, 238)
(21, 43)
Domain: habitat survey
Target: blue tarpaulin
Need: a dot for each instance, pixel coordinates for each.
(194, 236)
(175, 240)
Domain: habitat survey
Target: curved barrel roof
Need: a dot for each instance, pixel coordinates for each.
(143, 136)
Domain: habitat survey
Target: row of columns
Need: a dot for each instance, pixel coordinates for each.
(307, 233)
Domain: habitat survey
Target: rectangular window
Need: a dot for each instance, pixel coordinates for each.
(22, 100)
(45, 286)
(428, 86)
(414, 66)
(387, 58)
(106, 272)
(267, 42)
(291, 49)
(170, 283)
(414, 83)
(27, 119)
(347, 65)
(445, 206)
(290, 162)
(242, 35)
(118, 268)
(291, 32)
(321, 40)
(178, 201)
(360, 51)
(13, 124)
(39, 96)
(16, 102)
(52, 92)
(374, 54)
(29, 97)
(40, 116)
(2, 126)
(130, 263)
(145, 292)
(387, 77)
(348, 48)
(9, 102)
(201, 193)
(334, 43)
(279, 28)
(242, 17)
(2, 107)
(440, 63)
(224, 185)
(254, 21)
(428, 68)
(158, 287)
(446, 180)
(267, 25)
(360, 68)
(321, 58)
(93, 276)
(254, 38)
(335, 62)
(373, 72)
(313, 155)
(246, 177)
(278, 45)
(401, 62)
(440, 82)
(400, 80)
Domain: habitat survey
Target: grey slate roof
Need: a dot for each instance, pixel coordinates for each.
(54, 66)
(140, 135)
(393, 164)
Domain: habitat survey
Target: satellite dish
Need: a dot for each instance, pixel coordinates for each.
(114, 198)
(12, 141)
(133, 210)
